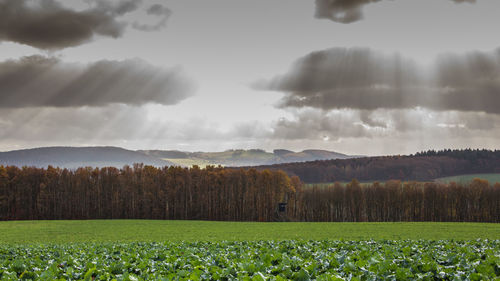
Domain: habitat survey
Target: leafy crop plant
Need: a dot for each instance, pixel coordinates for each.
(260, 260)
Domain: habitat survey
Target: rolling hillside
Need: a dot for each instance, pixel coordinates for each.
(426, 166)
(239, 157)
(74, 157)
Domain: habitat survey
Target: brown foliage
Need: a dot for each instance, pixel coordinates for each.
(395, 201)
(143, 192)
(216, 193)
(424, 166)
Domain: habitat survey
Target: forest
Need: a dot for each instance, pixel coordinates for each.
(423, 166)
(217, 193)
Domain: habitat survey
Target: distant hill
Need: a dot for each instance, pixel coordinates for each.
(174, 154)
(73, 157)
(312, 166)
(309, 155)
(240, 157)
(425, 166)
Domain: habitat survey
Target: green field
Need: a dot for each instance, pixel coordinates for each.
(190, 162)
(465, 179)
(225, 158)
(255, 261)
(202, 250)
(36, 232)
(461, 179)
(327, 184)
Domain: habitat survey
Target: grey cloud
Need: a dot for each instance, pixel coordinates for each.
(158, 10)
(407, 121)
(69, 124)
(116, 8)
(250, 129)
(110, 125)
(348, 11)
(117, 125)
(348, 78)
(155, 10)
(46, 24)
(46, 81)
(471, 82)
(436, 123)
(364, 79)
(483, 122)
(316, 124)
(343, 11)
(368, 118)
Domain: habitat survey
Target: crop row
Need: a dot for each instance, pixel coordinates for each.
(261, 260)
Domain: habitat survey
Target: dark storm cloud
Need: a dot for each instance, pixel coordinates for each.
(41, 81)
(155, 10)
(46, 24)
(469, 82)
(364, 79)
(349, 78)
(348, 11)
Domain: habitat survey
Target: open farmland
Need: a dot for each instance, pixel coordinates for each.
(466, 179)
(189, 162)
(344, 183)
(201, 250)
(258, 260)
(50, 232)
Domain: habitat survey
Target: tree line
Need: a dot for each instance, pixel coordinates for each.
(216, 193)
(402, 201)
(423, 166)
(142, 192)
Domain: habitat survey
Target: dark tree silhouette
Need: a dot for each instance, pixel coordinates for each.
(424, 166)
(216, 193)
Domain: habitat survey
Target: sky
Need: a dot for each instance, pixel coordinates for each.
(354, 76)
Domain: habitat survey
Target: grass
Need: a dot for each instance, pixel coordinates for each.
(464, 179)
(239, 154)
(461, 179)
(189, 162)
(327, 184)
(48, 232)
(225, 158)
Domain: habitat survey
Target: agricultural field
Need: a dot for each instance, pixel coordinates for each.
(56, 232)
(202, 250)
(362, 183)
(465, 179)
(257, 260)
(190, 162)
(327, 184)
(225, 158)
(461, 179)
